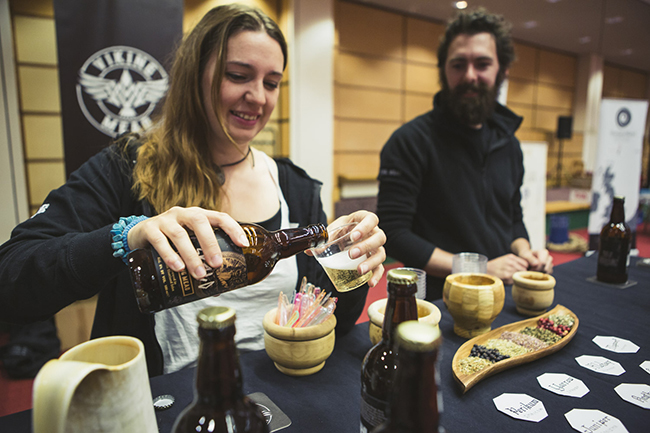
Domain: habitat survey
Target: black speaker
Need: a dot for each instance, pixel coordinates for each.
(564, 126)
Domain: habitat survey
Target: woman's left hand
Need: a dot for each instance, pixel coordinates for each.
(373, 239)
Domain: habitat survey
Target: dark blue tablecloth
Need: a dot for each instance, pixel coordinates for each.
(328, 401)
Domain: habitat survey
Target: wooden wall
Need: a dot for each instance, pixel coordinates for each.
(386, 74)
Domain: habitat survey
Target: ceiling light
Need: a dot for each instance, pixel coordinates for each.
(584, 39)
(553, 1)
(530, 24)
(614, 20)
(460, 5)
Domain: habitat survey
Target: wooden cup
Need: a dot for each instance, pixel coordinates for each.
(427, 313)
(298, 351)
(533, 292)
(474, 301)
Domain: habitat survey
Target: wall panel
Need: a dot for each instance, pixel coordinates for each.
(360, 136)
(422, 38)
(368, 72)
(43, 137)
(367, 30)
(556, 68)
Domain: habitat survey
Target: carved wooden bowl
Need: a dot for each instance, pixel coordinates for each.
(533, 292)
(298, 351)
(427, 313)
(474, 301)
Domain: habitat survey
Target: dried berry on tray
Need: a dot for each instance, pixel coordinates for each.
(489, 354)
(558, 329)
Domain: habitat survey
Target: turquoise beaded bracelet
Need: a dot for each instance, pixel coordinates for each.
(120, 232)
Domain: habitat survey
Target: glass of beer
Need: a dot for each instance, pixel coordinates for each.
(334, 257)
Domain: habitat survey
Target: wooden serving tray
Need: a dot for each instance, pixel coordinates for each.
(467, 381)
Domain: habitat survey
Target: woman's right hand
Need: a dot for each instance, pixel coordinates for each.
(172, 226)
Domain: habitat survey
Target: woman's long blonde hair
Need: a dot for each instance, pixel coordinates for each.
(174, 165)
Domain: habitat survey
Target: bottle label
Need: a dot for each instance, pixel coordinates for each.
(180, 288)
(613, 255)
(373, 412)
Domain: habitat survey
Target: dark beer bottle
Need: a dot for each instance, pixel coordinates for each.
(413, 405)
(614, 248)
(380, 361)
(219, 404)
(158, 287)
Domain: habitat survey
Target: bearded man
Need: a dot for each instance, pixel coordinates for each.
(450, 179)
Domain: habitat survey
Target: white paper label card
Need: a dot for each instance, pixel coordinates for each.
(646, 366)
(615, 344)
(563, 384)
(600, 364)
(635, 393)
(521, 406)
(593, 420)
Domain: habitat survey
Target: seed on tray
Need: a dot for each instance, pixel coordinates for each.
(472, 364)
(506, 347)
(527, 341)
(543, 334)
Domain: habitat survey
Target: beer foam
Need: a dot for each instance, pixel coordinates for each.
(341, 261)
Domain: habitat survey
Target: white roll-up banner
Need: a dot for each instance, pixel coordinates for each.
(618, 162)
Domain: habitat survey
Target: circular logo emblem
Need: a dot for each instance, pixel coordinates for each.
(623, 117)
(268, 415)
(119, 88)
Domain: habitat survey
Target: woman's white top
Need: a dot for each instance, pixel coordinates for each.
(177, 329)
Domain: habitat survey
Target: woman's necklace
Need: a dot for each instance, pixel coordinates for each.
(221, 176)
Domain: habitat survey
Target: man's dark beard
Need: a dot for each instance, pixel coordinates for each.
(471, 110)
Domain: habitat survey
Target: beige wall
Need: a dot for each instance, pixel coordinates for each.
(385, 74)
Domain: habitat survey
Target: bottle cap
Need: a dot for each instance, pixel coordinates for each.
(216, 317)
(402, 276)
(418, 337)
(163, 402)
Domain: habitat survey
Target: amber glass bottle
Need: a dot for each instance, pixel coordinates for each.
(413, 404)
(380, 361)
(158, 287)
(219, 405)
(614, 248)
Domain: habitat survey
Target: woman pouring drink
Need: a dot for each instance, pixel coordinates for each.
(194, 169)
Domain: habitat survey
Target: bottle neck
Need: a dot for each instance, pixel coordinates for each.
(293, 241)
(218, 375)
(618, 212)
(414, 402)
(400, 307)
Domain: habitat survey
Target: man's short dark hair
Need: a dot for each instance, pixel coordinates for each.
(479, 21)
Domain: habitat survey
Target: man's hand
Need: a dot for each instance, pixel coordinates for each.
(539, 260)
(505, 266)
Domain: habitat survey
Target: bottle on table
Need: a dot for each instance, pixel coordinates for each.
(157, 287)
(614, 247)
(414, 404)
(219, 404)
(380, 361)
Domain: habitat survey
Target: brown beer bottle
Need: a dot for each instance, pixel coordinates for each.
(219, 404)
(380, 361)
(413, 405)
(614, 248)
(158, 287)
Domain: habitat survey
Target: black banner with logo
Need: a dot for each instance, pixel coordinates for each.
(114, 57)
